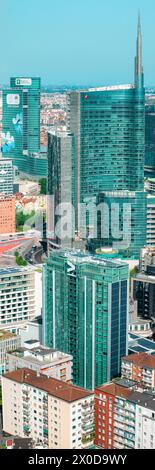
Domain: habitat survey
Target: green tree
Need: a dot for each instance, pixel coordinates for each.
(43, 185)
(21, 261)
(21, 219)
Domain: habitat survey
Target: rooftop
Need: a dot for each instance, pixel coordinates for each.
(139, 344)
(143, 399)
(54, 387)
(40, 355)
(115, 389)
(142, 359)
(138, 396)
(10, 271)
(112, 88)
(81, 257)
(4, 334)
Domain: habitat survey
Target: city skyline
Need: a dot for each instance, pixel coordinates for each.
(76, 45)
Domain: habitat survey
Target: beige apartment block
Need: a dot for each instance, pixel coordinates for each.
(55, 414)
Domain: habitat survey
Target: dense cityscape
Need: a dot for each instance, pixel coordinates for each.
(77, 264)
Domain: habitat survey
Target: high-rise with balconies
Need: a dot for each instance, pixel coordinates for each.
(85, 313)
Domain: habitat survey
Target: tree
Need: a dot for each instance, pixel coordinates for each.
(21, 261)
(43, 185)
(21, 218)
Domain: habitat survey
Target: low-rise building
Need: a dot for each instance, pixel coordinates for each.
(124, 416)
(47, 410)
(8, 343)
(32, 330)
(50, 362)
(139, 367)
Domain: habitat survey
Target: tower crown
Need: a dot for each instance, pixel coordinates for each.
(139, 78)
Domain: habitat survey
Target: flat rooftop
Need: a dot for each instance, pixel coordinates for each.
(138, 344)
(40, 355)
(9, 271)
(4, 334)
(83, 258)
(112, 88)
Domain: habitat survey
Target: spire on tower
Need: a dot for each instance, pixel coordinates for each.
(138, 58)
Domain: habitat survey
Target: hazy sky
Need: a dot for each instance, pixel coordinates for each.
(75, 41)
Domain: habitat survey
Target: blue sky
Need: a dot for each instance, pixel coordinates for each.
(75, 41)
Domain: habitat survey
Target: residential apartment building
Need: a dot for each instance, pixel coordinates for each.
(17, 297)
(85, 313)
(6, 176)
(124, 416)
(50, 362)
(139, 367)
(8, 342)
(53, 413)
(7, 214)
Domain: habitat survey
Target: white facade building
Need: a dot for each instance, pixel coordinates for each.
(8, 343)
(47, 361)
(17, 297)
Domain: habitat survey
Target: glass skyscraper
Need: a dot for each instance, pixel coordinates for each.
(21, 120)
(150, 136)
(109, 128)
(85, 313)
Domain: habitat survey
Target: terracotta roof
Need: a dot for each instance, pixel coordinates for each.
(54, 387)
(141, 359)
(115, 390)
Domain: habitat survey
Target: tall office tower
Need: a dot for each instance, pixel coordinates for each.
(85, 313)
(21, 120)
(61, 177)
(6, 176)
(108, 125)
(150, 135)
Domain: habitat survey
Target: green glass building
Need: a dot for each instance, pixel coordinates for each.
(150, 136)
(21, 121)
(85, 313)
(109, 128)
(126, 222)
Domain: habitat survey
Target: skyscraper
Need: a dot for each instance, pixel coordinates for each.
(108, 125)
(85, 313)
(61, 176)
(150, 135)
(21, 120)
